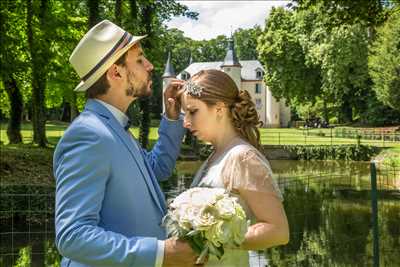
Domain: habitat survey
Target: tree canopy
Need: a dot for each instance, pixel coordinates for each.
(384, 62)
(316, 53)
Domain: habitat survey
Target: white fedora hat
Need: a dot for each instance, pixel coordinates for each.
(101, 47)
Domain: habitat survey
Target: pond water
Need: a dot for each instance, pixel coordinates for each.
(327, 203)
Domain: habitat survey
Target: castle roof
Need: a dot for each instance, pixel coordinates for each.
(248, 70)
(230, 57)
(169, 69)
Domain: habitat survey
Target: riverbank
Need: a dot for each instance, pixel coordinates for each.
(26, 164)
(389, 156)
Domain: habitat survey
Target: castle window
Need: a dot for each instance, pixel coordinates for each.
(259, 74)
(258, 88)
(258, 103)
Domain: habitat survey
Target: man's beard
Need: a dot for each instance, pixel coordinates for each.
(136, 88)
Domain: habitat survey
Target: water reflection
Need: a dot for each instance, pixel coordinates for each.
(327, 204)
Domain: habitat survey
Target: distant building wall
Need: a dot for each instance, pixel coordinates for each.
(284, 113)
(259, 98)
(273, 111)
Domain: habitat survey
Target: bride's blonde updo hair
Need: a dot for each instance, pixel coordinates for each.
(212, 86)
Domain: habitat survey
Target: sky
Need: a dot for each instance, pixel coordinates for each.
(222, 17)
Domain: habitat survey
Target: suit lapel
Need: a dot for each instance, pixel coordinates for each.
(128, 142)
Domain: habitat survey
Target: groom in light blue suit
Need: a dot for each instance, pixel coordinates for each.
(109, 205)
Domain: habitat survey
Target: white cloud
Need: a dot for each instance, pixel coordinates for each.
(222, 17)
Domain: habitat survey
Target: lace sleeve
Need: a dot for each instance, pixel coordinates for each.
(248, 169)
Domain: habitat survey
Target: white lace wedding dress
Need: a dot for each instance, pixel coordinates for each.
(241, 166)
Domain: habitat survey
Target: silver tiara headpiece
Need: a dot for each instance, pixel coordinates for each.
(192, 88)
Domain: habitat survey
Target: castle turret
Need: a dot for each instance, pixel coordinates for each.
(231, 65)
(169, 74)
(190, 59)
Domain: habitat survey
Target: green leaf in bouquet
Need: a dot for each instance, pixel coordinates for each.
(194, 245)
(217, 251)
(203, 255)
(198, 239)
(193, 233)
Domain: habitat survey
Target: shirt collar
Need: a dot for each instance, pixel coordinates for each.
(118, 114)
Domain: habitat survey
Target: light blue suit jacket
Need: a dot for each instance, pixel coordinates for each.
(109, 205)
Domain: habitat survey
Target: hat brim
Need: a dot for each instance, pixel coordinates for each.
(84, 85)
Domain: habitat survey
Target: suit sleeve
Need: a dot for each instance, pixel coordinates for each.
(82, 168)
(162, 157)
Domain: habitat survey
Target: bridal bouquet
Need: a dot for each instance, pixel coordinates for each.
(209, 219)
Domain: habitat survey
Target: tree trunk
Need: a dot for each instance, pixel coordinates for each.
(7, 74)
(38, 111)
(144, 129)
(94, 17)
(118, 12)
(147, 16)
(66, 112)
(39, 48)
(134, 13)
(325, 111)
(346, 110)
(14, 124)
(74, 108)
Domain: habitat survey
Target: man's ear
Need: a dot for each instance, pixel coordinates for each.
(114, 73)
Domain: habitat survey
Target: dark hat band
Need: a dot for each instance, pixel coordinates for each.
(125, 39)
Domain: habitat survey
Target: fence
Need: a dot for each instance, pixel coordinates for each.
(335, 220)
(341, 220)
(329, 137)
(292, 136)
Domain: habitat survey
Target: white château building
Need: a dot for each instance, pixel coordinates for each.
(248, 75)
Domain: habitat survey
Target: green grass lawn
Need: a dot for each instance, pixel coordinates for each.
(54, 131)
(269, 136)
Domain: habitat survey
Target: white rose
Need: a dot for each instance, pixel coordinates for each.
(225, 207)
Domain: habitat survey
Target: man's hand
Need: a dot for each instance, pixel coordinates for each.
(172, 100)
(178, 253)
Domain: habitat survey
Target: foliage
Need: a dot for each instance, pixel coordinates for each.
(53, 258)
(342, 152)
(246, 42)
(287, 72)
(316, 56)
(370, 12)
(24, 259)
(384, 62)
(13, 51)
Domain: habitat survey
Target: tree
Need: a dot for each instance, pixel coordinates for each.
(94, 13)
(340, 12)
(246, 42)
(384, 62)
(11, 63)
(341, 52)
(307, 58)
(147, 17)
(39, 38)
(69, 24)
(118, 12)
(287, 72)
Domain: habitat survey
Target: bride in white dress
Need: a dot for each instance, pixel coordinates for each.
(216, 112)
